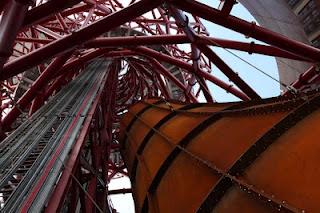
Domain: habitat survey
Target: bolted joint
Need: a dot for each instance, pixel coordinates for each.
(251, 47)
(253, 29)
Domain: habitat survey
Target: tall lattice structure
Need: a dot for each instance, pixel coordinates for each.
(71, 70)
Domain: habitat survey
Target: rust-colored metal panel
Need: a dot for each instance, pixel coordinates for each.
(139, 124)
(257, 156)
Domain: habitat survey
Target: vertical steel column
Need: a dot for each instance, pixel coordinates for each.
(90, 125)
(109, 112)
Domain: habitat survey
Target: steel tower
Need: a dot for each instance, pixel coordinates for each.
(69, 70)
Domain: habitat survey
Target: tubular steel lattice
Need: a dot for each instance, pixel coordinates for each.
(44, 45)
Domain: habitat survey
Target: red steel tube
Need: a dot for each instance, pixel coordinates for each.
(11, 22)
(228, 72)
(183, 39)
(162, 86)
(102, 8)
(38, 14)
(182, 20)
(162, 57)
(171, 77)
(92, 186)
(58, 83)
(248, 29)
(77, 38)
(202, 83)
(227, 6)
(137, 40)
(303, 79)
(33, 90)
(36, 103)
(179, 39)
(59, 191)
(91, 55)
(250, 48)
(156, 78)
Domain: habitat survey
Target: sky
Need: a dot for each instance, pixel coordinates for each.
(264, 86)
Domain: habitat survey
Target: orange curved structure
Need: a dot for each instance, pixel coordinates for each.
(259, 156)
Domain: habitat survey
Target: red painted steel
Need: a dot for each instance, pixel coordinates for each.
(10, 24)
(249, 29)
(34, 89)
(227, 70)
(78, 37)
(226, 6)
(167, 73)
(40, 13)
(36, 188)
(189, 67)
(45, 44)
(304, 79)
(60, 190)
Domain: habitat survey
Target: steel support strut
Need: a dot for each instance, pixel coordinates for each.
(40, 13)
(226, 6)
(77, 38)
(249, 29)
(37, 86)
(183, 39)
(304, 79)
(11, 22)
(145, 59)
(171, 77)
(182, 21)
(165, 58)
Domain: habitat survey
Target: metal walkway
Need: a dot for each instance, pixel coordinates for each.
(31, 158)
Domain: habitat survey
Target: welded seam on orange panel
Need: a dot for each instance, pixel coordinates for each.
(135, 119)
(169, 100)
(183, 143)
(225, 183)
(162, 122)
(153, 130)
